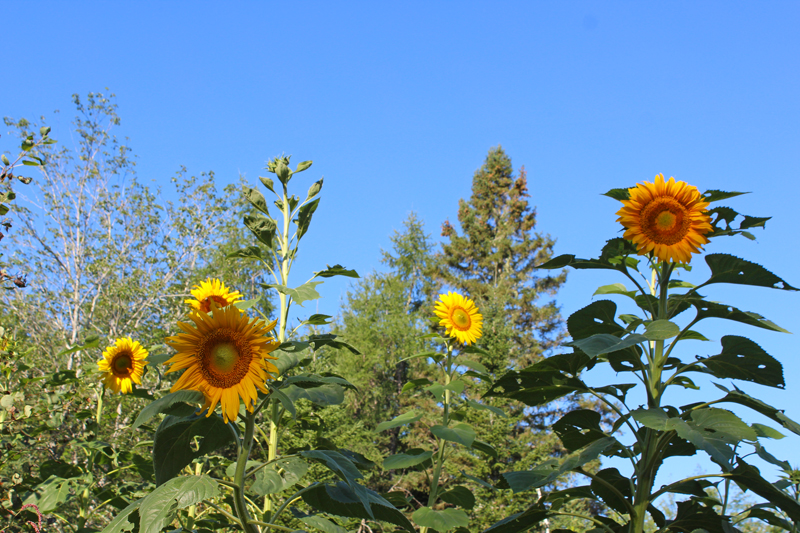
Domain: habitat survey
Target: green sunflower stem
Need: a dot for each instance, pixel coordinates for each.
(240, 504)
(99, 393)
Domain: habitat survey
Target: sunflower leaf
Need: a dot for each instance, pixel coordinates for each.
(262, 227)
(341, 500)
(305, 292)
(731, 269)
(743, 359)
(121, 522)
(165, 403)
(172, 443)
(158, 508)
(443, 520)
(336, 270)
(714, 195)
(400, 420)
(304, 217)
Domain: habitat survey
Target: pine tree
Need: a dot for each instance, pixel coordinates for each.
(493, 262)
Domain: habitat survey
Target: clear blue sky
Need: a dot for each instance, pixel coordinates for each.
(398, 103)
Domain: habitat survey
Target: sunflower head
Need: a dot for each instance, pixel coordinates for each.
(460, 316)
(667, 218)
(225, 356)
(212, 291)
(123, 364)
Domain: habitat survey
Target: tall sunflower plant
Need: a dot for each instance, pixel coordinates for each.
(240, 378)
(459, 325)
(666, 223)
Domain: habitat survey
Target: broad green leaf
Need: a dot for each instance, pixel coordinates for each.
(535, 388)
(172, 444)
(743, 359)
(415, 384)
(303, 165)
(459, 433)
(340, 500)
(603, 343)
(158, 508)
(420, 355)
(304, 293)
(244, 305)
(329, 339)
(615, 288)
(120, 523)
(578, 428)
(401, 420)
(268, 183)
(731, 269)
(51, 494)
(748, 477)
(693, 335)
(437, 389)
(328, 394)
(346, 470)
(317, 320)
(456, 386)
(659, 330)
(714, 195)
(310, 381)
(406, 460)
(286, 402)
(336, 270)
(460, 496)
(474, 365)
(618, 194)
(251, 252)
(597, 317)
(766, 432)
(484, 447)
(737, 396)
(323, 524)
(547, 472)
(257, 200)
(487, 407)
(304, 217)
(165, 403)
(262, 227)
(707, 309)
(290, 359)
(443, 520)
(617, 498)
(279, 476)
(314, 189)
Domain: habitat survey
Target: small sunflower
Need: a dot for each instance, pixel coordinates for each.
(226, 358)
(460, 316)
(212, 290)
(667, 218)
(123, 364)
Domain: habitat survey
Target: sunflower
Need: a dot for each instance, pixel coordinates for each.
(212, 290)
(667, 218)
(225, 355)
(123, 363)
(460, 316)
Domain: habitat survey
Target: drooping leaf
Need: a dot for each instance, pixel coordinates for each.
(748, 477)
(578, 428)
(336, 270)
(304, 217)
(406, 460)
(614, 288)
(659, 330)
(714, 195)
(731, 269)
(707, 309)
(340, 500)
(519, 522)
(535, 387)
(460, 433)
(262, 227)
(332, 340)
(328, 394)
(158, 508)
(310, 381)
(317, 320)
(460, 496)
(597, 317)
(743, 359)
(164, 403)
(172, 444)
(603, 343)
(737, 396)
(486, 407)
(304, 293)
(121, 522)
(251, 252)
(92, 341)
(443, 520)
(484, 447)
(256, 199)
(401, 420)
(614, 489)
(548, 471)
(244, 305)
(279, 476)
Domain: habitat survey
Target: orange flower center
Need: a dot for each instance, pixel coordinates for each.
(664, 220)
(205, 305)
(122, 365)
(460, 319)
(225, 357)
